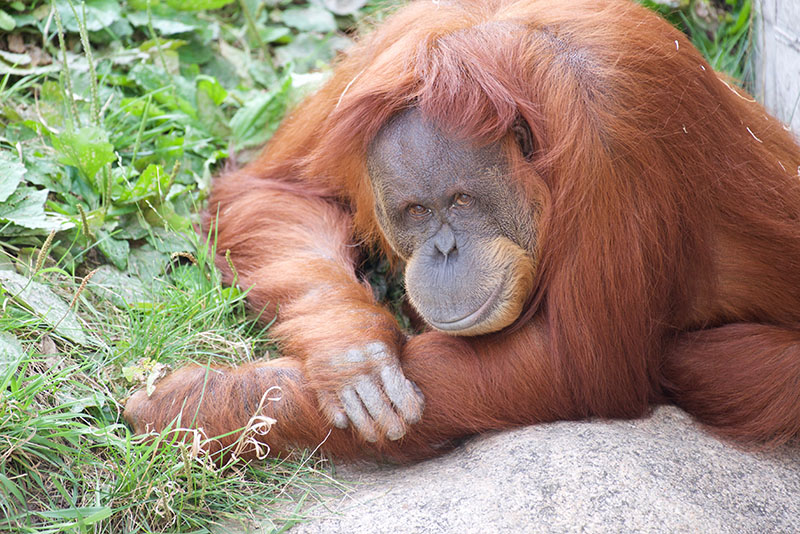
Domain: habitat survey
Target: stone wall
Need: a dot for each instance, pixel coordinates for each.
(777, 59)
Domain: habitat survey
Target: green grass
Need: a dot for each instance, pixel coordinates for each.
(105, 284)
(70, 465)
(721, 29)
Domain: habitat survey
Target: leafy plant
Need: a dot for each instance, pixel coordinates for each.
(720, 29)
(113, 118)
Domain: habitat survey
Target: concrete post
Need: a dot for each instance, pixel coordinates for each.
(777, 59)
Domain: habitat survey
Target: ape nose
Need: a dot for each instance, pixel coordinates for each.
(445, 240)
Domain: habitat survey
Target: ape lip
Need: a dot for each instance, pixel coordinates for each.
(471, 318)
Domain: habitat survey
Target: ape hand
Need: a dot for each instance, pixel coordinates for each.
(376, 398)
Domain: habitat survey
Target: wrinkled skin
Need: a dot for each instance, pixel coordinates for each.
(450, 210)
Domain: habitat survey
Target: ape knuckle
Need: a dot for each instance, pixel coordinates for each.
(351, 356)
(396, 434)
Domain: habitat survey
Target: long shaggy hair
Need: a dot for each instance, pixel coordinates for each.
(667, 241)
(651, 163)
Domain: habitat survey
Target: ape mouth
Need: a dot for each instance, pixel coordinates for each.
(474, 318)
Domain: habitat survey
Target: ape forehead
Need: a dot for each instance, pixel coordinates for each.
(411, 156)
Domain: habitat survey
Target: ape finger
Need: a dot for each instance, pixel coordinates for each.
(332, 409)
(380, 408)
(358, 414)
(404, 394)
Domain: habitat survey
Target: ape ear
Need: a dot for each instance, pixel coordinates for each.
(527, 144)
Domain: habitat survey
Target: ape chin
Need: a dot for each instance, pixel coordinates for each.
(590, 220)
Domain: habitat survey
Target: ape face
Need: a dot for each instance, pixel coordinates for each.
(450, 209)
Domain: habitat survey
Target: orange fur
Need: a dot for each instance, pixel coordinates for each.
(668, 234)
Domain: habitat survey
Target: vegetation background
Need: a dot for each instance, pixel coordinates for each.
(114, 116)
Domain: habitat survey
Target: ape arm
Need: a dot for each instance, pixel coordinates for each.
(292, 247)
(466, 386)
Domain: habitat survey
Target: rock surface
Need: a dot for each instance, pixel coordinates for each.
(661, 474)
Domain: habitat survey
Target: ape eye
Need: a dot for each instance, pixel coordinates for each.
(462, 200)
(417, 210)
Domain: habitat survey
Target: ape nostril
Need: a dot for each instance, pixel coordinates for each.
(445, 259)
(446, 251)
(445, 241)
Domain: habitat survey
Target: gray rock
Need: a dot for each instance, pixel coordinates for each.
(660, 474)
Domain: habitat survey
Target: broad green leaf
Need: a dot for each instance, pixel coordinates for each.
(6, 68)
(7, 22)
(77, 401)
(87, 149)
(275, 34)
(210, 94)
(147, 264)
(121, 29)
(99, 13)
(164, 214)
(53, 93)
(45, 304)
(25, 210)
(264, 74)
(211, 116)
(305, 83)
(11, 172)
(156, 80)
(258, 119)
(153, 181)
(144, 4)
(116, 250)
(10, 349)
(163, 25)
(168, 146)
(197, 5)
(25, 207)
(212, 88)
(135, 106)
(310, 19)
(118, 287)
(344, 7)
(237, 57)
(310, 51)
(154, 45)
(45, 172)
(168, 241)
(15, 59)
(51, 222)
(25, 19)
(196, 54)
